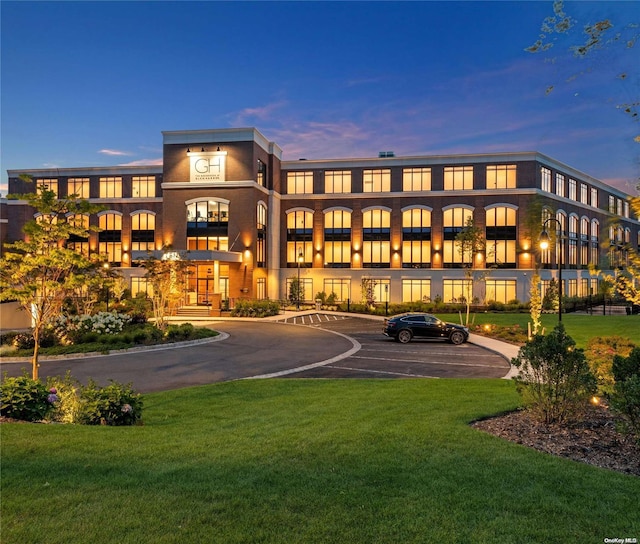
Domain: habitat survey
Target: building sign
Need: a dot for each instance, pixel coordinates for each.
(207, 166)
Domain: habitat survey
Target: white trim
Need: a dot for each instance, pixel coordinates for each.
(416, 207)
(207, 199)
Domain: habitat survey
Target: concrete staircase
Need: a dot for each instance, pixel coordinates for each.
(196, 311)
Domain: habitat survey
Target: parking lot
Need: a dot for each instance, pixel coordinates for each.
(382, 357)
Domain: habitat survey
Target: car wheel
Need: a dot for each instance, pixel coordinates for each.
(456, 337)
(404, 336)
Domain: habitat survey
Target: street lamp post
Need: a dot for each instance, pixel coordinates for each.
(300, 259)
(544, 244)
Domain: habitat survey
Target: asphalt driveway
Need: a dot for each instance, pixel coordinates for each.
(316, 346)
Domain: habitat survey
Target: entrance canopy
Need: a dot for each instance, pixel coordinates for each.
(186, 255)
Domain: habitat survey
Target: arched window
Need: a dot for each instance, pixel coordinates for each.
(110, 236)
(584, 241)
(143, 231)
(454, 219)
(337, 238)
(208, 225)
(79, 242)
(573, 240)
(501, 236)
(376, 238)
(416, 237)
(299, 236)
(261, 235)
(594, 243)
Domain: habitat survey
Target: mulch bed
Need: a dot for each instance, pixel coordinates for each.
(594, 440)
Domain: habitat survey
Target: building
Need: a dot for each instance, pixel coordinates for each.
(249, 222)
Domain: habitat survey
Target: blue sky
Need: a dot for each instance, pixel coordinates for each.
(95, 83)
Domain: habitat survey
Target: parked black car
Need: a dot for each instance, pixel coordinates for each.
(404, 327)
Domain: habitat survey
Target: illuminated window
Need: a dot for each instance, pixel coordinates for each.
(546, 179)
(306, 287)
(261, 288)
(338, 286)
(501, 290)
(261, 236)
(584, 241)
(416, 290)
(337, 238)
(572, 189)
(560, 181)
(454, 220)
(501, 237)
(501, 176)
(299, 237)
(416, 179)
(376, 237)
(612, 204)
(416, 238)
(456, 290)
(573, 240)
(338, 181)
(208, 225)
(143, 231)
(79, 240)
(111, 187)
(594, 197)
(110, 236)
(141, 285)
(261, 173)
(78, 187)
(299, 183)
(48, 184)
(584, 193)
(143, 186)
(376, 181)
(458, 178)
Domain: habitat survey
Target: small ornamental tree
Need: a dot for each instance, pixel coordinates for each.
(40, 272)
(470, 241)
(535, 304)
(167, 277)
(554, 378)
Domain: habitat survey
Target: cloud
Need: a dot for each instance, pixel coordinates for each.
(114, 152)
(262, 113)
(144, 162)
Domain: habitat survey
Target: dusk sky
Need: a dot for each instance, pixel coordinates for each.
(95, 83)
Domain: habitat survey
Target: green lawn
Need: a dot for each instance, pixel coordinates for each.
(580, 327)
(306, 461)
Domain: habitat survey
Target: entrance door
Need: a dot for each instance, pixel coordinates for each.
(205, 289)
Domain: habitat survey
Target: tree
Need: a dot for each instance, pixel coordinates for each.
(167, 277)
(470, 242)
(597, 39)
(554, 377)
(40, 272)
(535, 303)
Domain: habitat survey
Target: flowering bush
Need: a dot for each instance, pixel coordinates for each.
(73, 328)
(26, 399)
(115, 404)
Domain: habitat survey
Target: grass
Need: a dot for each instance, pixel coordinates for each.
(305, 461)
(580, 327)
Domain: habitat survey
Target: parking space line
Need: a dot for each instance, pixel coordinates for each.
(423, 362)
(382, 372)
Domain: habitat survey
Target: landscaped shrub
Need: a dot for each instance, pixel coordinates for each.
(72, 328)
(24, 340)
(115, 404)
(554, 378)
(626, 392)
(26, 399)
(600, 353)
(67, 409)
(175, 333)
(255, 308)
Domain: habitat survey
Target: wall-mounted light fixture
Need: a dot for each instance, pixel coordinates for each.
(202, 150)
